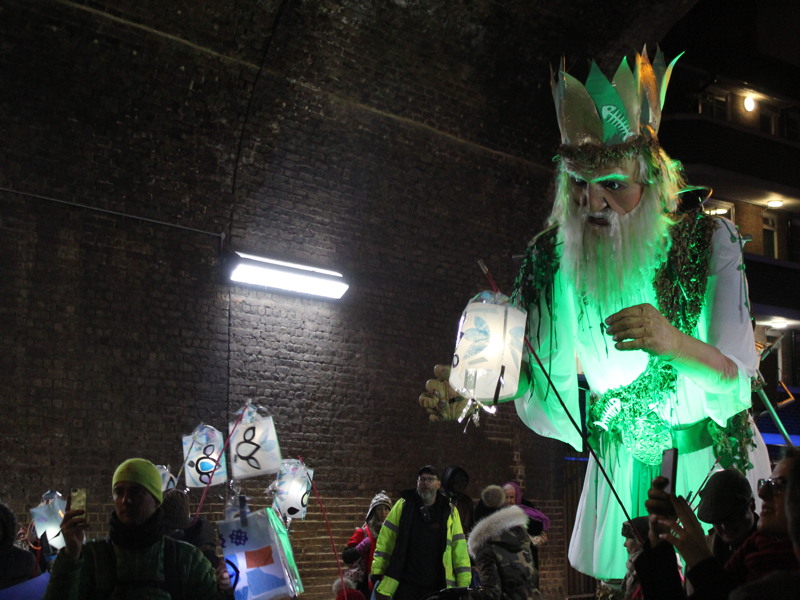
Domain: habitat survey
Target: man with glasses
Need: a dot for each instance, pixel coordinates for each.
(421, 548)
(767, 549)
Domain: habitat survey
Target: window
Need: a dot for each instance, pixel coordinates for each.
(714, 105)
(770, 236)
(792, 126)
(768, 120)
(719, 208)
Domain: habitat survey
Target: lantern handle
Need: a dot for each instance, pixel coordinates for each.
(486, 272)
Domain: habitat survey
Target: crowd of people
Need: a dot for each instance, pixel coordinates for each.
(648, 292)
(435, 538)
(143, 555)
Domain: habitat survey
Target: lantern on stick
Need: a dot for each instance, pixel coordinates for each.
(254, 444)
(168, 480)
(47, 517)
(203, 457)
(292, 490)
(488, 354)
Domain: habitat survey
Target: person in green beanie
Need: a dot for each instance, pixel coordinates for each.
(136, 560)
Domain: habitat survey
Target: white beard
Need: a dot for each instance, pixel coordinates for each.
(613, 267)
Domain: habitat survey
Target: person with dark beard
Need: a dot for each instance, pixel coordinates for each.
(422, 548)
(137, 561)
(651, 301)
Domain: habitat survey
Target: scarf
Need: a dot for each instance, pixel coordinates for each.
(136, 536)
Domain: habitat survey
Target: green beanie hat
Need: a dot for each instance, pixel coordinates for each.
(141, 471)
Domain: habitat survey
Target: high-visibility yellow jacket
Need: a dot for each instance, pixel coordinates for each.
(455, 558)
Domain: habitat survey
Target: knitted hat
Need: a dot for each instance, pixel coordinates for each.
(726, 495)
(176, 509)
(493, 496)
(380, 498)
(141, 471)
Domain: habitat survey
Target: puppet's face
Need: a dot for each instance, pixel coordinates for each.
(605, 190)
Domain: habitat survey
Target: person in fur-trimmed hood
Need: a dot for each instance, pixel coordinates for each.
(501, 550)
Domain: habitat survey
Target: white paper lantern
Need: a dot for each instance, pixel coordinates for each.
(254, 444)
(47, 517)
(202, 450)
(293, 489)
(488, 348)
(168, 480)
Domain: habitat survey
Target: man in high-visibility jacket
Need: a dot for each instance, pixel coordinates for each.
(421, 548)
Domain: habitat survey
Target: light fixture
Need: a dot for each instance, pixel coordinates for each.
(749, 103)
(778, 324)
(286, 276)
(775, 203)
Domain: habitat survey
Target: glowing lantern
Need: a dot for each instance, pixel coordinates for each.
(47, 517)
(202, 450)
(254, 444)
(168, 480)
(488, 352)
(259, 549)
(292, 490)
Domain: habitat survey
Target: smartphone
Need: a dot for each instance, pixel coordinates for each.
(669, 468)
(77, 499)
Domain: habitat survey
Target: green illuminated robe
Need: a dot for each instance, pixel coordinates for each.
(560, 328)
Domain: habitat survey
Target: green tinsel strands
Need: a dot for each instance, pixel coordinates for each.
(632, 412)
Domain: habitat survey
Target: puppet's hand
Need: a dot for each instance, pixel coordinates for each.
(440, 400)
(642, 327)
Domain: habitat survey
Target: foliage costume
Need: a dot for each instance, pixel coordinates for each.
(639, 404)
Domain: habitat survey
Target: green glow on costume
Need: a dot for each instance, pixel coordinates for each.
(630, 413)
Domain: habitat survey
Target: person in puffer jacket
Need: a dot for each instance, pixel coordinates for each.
(501, 551)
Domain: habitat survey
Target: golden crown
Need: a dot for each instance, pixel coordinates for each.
(606, 113)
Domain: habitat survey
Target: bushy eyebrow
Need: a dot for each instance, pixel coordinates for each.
(609, 177)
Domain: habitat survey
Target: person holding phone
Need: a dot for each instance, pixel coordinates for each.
(673, 526)
(136, 560)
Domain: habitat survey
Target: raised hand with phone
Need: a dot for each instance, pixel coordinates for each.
(74, 524)
(136, 559)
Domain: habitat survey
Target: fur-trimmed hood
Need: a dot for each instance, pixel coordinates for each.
(491, 527)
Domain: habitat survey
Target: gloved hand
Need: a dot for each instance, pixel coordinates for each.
(440, 400)
(363, 546)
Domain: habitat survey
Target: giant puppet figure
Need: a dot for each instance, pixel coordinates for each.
(652, 301)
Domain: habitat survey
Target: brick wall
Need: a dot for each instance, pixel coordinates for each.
(143, 141)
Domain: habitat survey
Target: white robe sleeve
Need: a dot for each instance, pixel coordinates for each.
(553, 339)
(725, 324)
